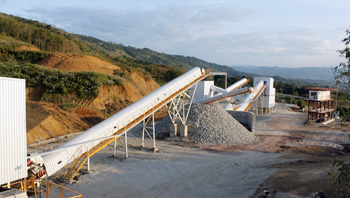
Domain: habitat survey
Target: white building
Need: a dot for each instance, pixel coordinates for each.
(203, 91)
(13, 135)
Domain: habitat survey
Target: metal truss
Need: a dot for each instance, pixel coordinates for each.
(146, 128)
(180, 106)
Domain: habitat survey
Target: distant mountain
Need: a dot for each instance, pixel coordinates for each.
(305, 73)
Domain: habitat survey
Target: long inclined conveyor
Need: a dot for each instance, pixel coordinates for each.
(75, 154)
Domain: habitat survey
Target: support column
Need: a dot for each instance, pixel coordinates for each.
(184, 130)
(155, 149)
(25, 184)
(126, 145)
(115, 148)
(88, 164)
(143, 134)
(173, 131)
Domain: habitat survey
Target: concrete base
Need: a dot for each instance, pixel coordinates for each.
(246, 118)
(183, 130)
(173, 130)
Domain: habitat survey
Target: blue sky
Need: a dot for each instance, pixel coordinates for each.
(286, 33)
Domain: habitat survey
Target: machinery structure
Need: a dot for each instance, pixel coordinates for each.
(78, 150)
(266, 103)
(177, 95)
(320, 104)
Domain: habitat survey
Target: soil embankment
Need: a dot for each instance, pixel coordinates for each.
(72, 62)
(49, 120)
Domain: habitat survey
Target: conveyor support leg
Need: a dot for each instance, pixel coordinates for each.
(155, 149)
(126, 146)
(115, 148)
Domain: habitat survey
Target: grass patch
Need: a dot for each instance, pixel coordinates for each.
(68, 106)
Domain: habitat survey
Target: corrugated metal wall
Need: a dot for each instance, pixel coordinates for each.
(13, 140)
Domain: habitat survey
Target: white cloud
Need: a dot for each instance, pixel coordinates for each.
(217, 32)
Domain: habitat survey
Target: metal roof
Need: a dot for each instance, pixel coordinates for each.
(321, 89)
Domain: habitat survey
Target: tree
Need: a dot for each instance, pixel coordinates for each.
(342, 71)
(301, 103)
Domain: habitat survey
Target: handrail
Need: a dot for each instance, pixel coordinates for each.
(31, 187)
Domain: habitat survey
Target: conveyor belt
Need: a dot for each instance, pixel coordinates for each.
(118, 124)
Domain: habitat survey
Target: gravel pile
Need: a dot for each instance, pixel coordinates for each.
(212, 125)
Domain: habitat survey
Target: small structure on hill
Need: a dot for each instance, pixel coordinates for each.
(321, 106)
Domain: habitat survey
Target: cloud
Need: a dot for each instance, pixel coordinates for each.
(175, 22)
(210, 31)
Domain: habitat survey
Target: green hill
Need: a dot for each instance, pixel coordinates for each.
(51, 39)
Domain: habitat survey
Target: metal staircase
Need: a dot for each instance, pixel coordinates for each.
(73, 168)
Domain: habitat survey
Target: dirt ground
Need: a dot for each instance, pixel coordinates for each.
(291, 159)
(72, 62)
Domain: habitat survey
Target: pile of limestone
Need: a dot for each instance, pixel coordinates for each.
(211, 124)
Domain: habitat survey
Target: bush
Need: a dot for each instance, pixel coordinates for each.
(301, 103)
(67, 106)
(340, 175)
(344, 113)
(84, 85)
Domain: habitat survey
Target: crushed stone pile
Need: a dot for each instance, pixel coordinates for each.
(212, 125)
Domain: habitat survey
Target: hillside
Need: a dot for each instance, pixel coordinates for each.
(69, 87)
(149, 56)
(71, 62)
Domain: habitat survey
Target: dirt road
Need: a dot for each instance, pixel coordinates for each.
(291, 160)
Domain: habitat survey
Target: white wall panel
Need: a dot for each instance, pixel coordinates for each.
(13, 140)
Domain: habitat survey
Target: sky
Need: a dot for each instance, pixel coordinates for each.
(285, 33)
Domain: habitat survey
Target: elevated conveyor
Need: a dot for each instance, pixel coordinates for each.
(228, 94)
(251, 98)
(236, 85)
(232, 90)
(76, 154)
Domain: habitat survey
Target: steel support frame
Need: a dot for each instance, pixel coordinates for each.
(177, 107)
(125, 144)
(145, 129)
(315, 110)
